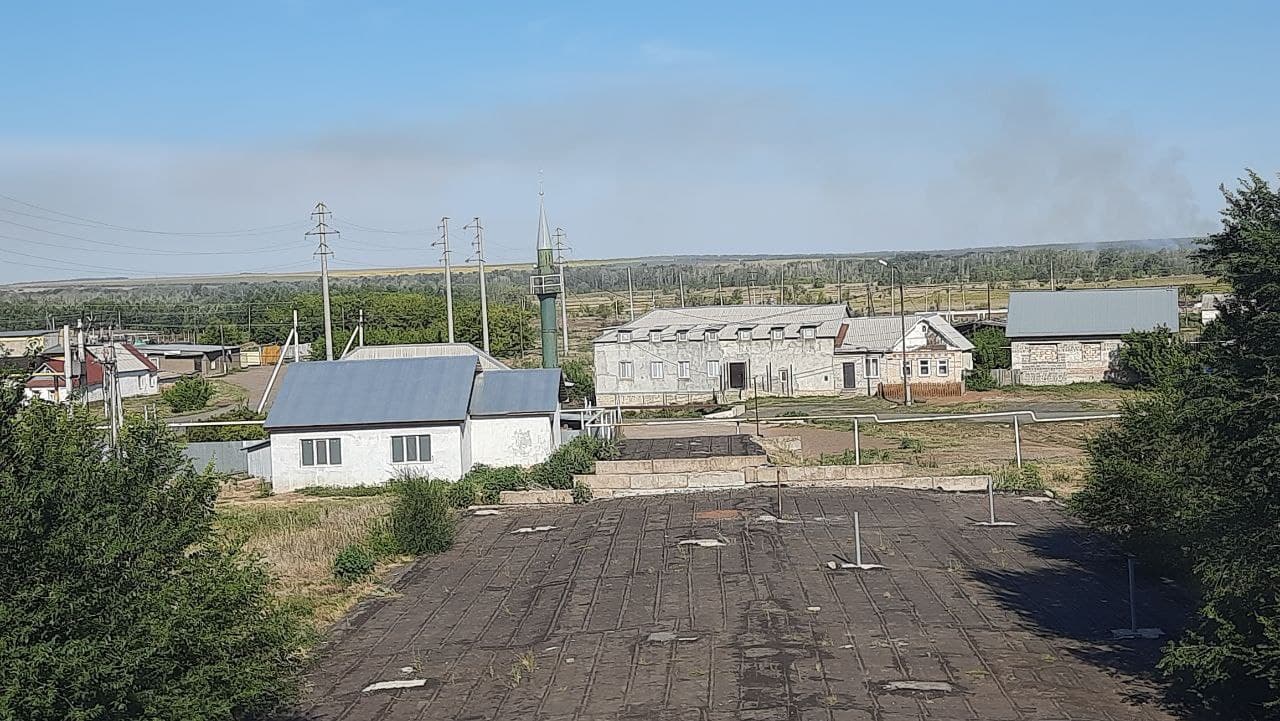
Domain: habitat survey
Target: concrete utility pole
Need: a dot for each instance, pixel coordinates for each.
(297, 354)
(719, 289)
(681, 279)
(631, 294)
(478, 244)
(66, 368)
(448, 272)
(322, 229)
(902, 314)
(564, 292)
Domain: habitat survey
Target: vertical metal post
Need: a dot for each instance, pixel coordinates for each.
(1133, 602)
(857, 540)
(991, 499)
(857, 445)
(1017, 441)
(755, 392)
(297, 355)
(779, 484)
(631, 294)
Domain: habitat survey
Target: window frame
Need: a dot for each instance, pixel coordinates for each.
(713, 368)
(923, 366)
(624, 336)
(655, 336)
(942, 367)
(657, 370)
(323, 452)
(682, 336)
(777, 334)
(414, 442)
(711, 335)
(683, 370)
(808, 332)
(866, 367)
(626, 370)
(744, 335)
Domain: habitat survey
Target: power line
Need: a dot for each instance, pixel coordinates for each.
(111, 226)
(139, 250)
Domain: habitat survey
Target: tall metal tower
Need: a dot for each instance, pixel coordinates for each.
(322, 229)
(545, 283)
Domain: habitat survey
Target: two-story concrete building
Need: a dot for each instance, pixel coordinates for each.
(1058, 337)
(717, 354)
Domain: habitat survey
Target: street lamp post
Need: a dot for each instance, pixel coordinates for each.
(902, 314)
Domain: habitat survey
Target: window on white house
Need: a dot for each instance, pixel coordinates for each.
(713, 369)
(655, 369)
(943, 367)
(626, 370)
(775, 333)
(624, 336)
(808, 333)
(924, 366)
(682, 336)
(872, 367)
(322, 451)
(682, 370)
(744, 334)
(410, 449)
(655, 336)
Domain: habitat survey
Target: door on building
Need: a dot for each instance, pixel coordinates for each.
(850, 375)
(738, 375)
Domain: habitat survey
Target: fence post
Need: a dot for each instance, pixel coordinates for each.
(857, 445)
(1017, 441)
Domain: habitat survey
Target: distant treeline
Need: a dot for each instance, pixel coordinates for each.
(410, 308)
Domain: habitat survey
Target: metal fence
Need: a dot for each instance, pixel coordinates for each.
(226, 456)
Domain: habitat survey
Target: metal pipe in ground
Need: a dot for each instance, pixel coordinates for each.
(857, 445)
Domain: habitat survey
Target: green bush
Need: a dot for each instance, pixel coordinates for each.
(354, 562)
(463, 492)
(576, 457)
(188, 394)
(422, 516)
(979, 379)
(120, 600)
(582, 493)
(489, 481)
(343, 491)
(907, 443)
(1012, 478)
(251, 432)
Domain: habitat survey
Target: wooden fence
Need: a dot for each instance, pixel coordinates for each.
(893, 392)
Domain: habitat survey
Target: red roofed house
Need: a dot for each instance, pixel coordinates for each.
(136, 375)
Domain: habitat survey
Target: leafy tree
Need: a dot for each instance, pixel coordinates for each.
(581, 374)
(230, 433)
(1151, 357)
(188, 394)
(1189, 477)
(119, 601)
(991, 349)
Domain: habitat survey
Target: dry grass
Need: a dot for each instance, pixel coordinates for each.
(299, 540)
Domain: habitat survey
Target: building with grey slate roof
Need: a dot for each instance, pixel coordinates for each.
(354, 422)
(720, 354)
(1058, 337)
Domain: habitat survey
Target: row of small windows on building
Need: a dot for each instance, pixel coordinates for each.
(328, 451)
(712, 335)
(657, 368)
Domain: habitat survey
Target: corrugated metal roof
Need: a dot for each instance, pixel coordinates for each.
(374, 392)
(884, 333)
(1094, 312)
(25, 333)
(511, 392)
(727, 319)
(180, 348)
(424, 350)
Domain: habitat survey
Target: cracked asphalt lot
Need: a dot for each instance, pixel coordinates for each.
(606, 616)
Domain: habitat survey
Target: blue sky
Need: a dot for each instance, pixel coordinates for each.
(710, 127)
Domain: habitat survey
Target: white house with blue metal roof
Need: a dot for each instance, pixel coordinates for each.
(362, 422)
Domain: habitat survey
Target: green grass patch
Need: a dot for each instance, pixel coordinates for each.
(343, 491)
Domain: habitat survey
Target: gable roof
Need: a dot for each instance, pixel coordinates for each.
(884, 333)
(514, 392)
(1093, 312)
(374, 392)
(726, 320)
(128, 358)
(423, 350)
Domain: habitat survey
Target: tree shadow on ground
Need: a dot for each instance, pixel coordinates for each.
(1080, 591)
